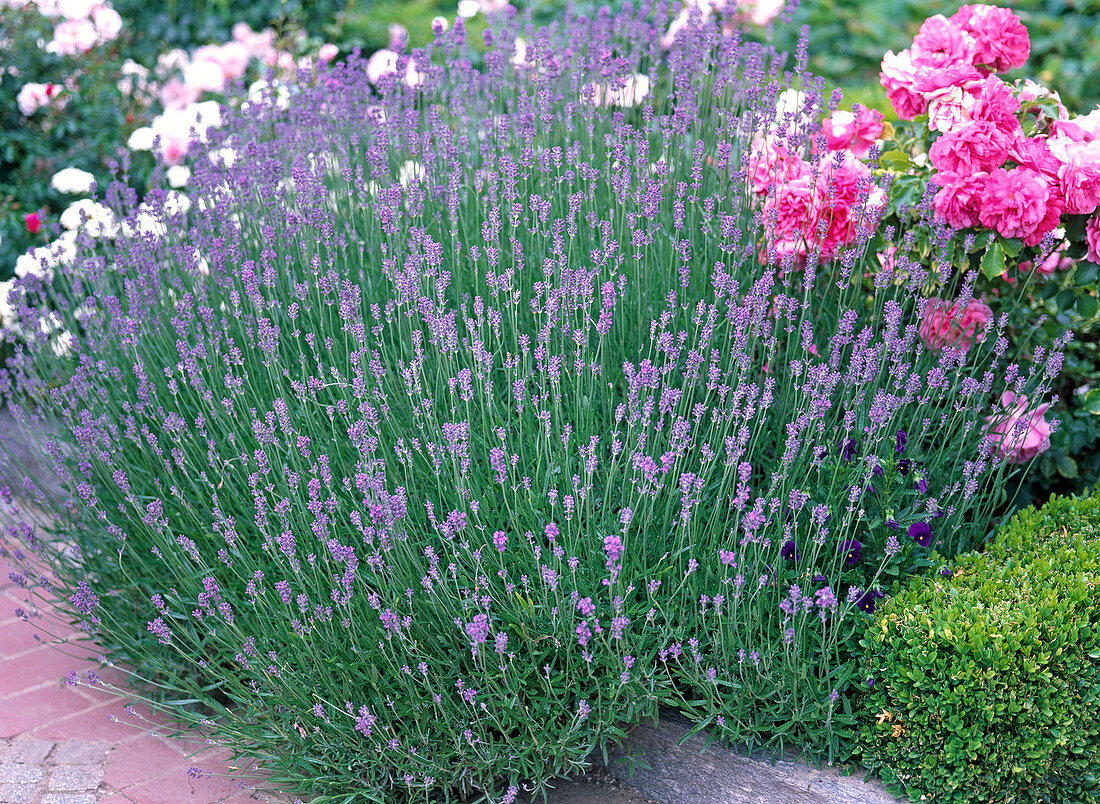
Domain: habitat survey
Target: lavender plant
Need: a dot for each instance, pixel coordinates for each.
(464, 415)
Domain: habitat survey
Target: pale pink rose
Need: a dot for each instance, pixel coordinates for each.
(949, 108)
(1092, 238)
(772, 162)
(928, 79)
(953, 327)
(1089, 125)
(398, 36)
(259, 45)
(327, 52)
(231, 59)
(1078, 174)
(204, 76)
(941, 43)
(107, 22)
(761, 12)
(1028, 90)
(980, 145)
(897, 76)
(73, 37)
(33, 97)
(76, 9)
(1020, 203)
(175, 94)
(959, 198)
(381, 62)
(856, 130)
(1001, 39)
(1020, 433)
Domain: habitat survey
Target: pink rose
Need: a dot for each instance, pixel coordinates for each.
(1078, 173)
(950, 107)
(997, 105)
(1019, 203)
(977, 146)
(1055, 261)
(73, 37)
(941, 43)
(174, 94)
(327, 52)
(33, 97)
(1092, 238)
(856, 130)
(897, 77)
(959, 199)
(107, 22)
(951, 326)
(1020, 434)
(929, 79)
(1001, 40)
(771, 162)
(1089, 125)
(1034, 153)
(792, 209)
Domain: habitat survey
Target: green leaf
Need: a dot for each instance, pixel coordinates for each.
(1012, 246)
(1092, 402)
(993, 262)
(1067, 467)
(1087, 306)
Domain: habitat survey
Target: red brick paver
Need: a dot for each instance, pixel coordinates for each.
(74, 744)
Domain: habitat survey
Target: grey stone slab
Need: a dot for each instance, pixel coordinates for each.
(17, 793)
(19, 773)
(686, 774)
(76, 778)
(69, 798)
(77, 752)
(29, 750)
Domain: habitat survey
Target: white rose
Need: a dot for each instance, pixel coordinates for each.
(468, 8)
(98, 221)
(176, 203)
(73, 181)
(141, 139)
(178, 175)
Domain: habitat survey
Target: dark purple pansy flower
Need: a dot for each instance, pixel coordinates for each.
(946, 572)
(922, 486)
(789, 550)
(903, 466)
(921, 533)
(871, 683)
(851, 549)
(902, 440)
(869, 490)
(893, 523)
(848, 449)
(877, 471)
(867, 600)
(820, 579)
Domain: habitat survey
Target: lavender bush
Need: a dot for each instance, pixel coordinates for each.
(461, 416)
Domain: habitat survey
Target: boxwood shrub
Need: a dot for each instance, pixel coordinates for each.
(985, 677)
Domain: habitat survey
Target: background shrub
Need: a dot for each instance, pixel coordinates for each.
(986, 676)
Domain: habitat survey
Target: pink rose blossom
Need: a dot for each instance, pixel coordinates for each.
(929, 79)
(1092, 238)
(950, 108)
(1089, 125)
(73, 37)
(175, 94)
(1034, 153)
(1001, 39)
(856, 130)
(33, 97)
(897, 76)
(76, 9)
(941, 43)
(792, 208)
(959, 199)
(997, 105)
(1019, 203)
(977, 146)
(771, 162)
(1020, 434)
(761, 12)
(952, 327)
(1078, 174)
(107, 22)
(1055, 261)
(327, 52)
(204, 76)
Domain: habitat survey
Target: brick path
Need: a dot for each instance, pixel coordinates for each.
(74, 744)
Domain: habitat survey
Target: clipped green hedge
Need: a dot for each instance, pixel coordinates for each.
(985, 677)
